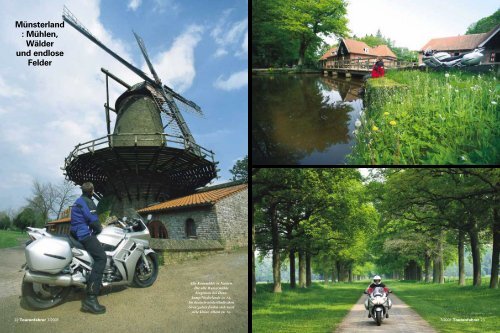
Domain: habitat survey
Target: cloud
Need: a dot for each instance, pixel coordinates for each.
(227, 35)
(58, 106)
(9, 90)
(176, 65)
(160, 6)
(134, 4)
(234, 81)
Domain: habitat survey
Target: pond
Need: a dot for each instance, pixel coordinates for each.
(303, 119)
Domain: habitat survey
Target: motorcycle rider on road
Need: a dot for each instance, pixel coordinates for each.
(84, 227)
(377, 282)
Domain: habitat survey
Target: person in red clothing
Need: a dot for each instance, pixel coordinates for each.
(378, 68)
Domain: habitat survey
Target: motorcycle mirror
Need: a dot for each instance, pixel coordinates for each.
(150, 217)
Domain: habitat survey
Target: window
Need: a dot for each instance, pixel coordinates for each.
(190, 228)
(492, 57)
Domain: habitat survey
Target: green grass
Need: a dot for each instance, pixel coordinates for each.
(439, 118)
(11, 238)
(319, 308)
(443, 305)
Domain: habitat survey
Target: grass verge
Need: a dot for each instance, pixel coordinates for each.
(439, 118)
(319, 308)
(10, 238)
(450, 308)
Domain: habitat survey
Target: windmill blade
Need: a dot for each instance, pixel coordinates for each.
(184, 103)
(145, 54)
(73, 21)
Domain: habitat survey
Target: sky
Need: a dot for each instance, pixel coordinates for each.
(198, 48)
(412, 23)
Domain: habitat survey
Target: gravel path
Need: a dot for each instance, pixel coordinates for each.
(401, 319)
(162, 307)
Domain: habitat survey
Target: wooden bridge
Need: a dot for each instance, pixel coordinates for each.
(362, 66)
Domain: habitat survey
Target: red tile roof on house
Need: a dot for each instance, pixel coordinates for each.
(357, 47)
(465, 42)
(202, 198)
(383, 51)
(330, 53)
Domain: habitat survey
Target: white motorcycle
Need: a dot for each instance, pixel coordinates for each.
(378, 303)
(54, 263)
(445, 60)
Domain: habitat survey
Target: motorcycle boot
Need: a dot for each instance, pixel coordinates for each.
(90, 304)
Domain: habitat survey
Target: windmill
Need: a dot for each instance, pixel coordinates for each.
(151, 154)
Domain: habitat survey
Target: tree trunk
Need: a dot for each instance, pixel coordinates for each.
(441, 263)
(476, 257)
(276, 251)
(461, 270)
(308, 270)
(350, 273)
(302, 51)
(438, 269)
(254, 282)
(302, 269)
(292, 268)
(333, 272)
(427, 260)
(496, 249)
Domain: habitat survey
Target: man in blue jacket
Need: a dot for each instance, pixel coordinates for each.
(85, 227)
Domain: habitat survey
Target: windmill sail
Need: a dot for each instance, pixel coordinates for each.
(165, 97)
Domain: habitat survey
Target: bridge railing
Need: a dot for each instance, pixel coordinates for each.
(365, 64)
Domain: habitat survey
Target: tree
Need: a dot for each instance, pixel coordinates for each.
(28, 218)
(50, 199)
(485, 24)
(305, 19)
(4, 221)
(240, 170)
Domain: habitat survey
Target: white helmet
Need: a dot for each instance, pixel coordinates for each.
(377, 279)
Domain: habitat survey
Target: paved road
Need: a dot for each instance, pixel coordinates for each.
(401, 319)
(162, 307)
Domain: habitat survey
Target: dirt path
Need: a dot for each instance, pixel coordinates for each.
(161, 308)
(401, 319)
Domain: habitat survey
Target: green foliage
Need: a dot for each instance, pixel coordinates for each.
(443, 305)
(485, 24)
(4, 221)
(319, 308)
(240, 170)
(439, 119)
(28, 218)
(287, 31)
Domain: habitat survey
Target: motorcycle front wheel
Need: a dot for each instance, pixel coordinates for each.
(143, 278)
(43, 296)
(378, 317)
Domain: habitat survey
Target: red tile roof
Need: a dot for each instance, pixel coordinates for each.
(330, 53)
(383, 51)
(202, 198)
(465, 42)
(357, 47)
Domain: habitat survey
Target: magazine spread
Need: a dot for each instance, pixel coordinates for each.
(124, 186)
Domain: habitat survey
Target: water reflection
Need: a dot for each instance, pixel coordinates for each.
(303, 119)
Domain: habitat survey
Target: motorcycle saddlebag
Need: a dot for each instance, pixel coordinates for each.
(49, 255)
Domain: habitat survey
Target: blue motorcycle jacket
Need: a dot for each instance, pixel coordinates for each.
(84, 220)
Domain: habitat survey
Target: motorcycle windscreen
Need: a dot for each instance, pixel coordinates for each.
(48, 255)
